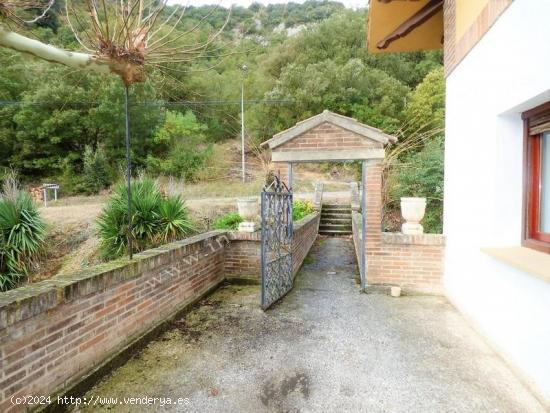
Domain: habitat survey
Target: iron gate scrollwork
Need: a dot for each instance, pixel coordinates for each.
(277, 235)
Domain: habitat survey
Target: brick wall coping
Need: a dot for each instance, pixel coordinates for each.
(245, 236)
(305, 220)
(33, 299)
(30, 300)
(421, 239)
(400, 238)
(257, 236)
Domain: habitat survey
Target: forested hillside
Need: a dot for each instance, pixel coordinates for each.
(66, 124)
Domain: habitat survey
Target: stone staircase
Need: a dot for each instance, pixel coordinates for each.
(335, 220)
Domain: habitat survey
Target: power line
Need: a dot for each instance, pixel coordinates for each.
(188, 103)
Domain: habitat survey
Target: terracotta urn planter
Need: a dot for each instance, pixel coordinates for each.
(248, 210)
(413, 210)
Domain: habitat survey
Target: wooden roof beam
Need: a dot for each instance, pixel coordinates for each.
(416, 20)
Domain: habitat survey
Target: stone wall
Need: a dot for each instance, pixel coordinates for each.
(244, 252)
(413, 262)
(55, 332)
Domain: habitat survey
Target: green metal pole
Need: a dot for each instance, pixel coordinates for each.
(128, 172)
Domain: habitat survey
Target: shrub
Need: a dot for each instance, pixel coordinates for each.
(22, 233)
(301, 209)
(228, 221)
(96, 170)
(180, 147)
(156, 219)
(91, 177)
(420, 174)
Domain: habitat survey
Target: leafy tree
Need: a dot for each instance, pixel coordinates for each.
(324, 65)
(97, 175)
(181, 146)
(351, 89)
(68, 111)
(426, 107)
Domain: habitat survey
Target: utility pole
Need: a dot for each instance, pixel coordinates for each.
(244, 68)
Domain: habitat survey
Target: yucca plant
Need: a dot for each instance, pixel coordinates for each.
(174, 219)
(156, 219)
(22, 233)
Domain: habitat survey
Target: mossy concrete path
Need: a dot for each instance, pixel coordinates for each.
(324, 348)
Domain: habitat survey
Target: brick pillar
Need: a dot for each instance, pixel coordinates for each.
(374, 217)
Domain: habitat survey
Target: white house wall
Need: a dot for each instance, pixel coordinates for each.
(507, 72)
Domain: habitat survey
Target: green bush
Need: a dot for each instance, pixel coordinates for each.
(156, 219)
(22, 233)
(300, 209)
(96, 170)
(228, 221)
(180, 147)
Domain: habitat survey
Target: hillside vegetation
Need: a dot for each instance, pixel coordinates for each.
(66, 125)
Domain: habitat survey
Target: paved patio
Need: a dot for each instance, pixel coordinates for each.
(324, 348)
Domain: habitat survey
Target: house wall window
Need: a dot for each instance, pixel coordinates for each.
(536, 225)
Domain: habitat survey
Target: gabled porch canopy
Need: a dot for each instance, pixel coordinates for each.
(332, 137)
(328, 137)
(405, 25)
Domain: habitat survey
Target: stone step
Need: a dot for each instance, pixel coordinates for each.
(334, 232)
(329, 228)
(336, 207)
(342, 220)
(335, 224)
(335, 211)
(335, 216)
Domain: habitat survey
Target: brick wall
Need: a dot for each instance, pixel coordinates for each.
(325, 137)
(243, 255)
(413, 262)
(244, 252)
(305, 233)
(55, 332)
(457, 49)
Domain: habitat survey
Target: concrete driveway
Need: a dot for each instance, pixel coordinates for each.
(324, 348)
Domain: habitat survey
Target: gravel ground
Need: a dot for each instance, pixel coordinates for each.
(324, 348)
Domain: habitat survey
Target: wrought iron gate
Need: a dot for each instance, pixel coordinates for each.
(277, 234)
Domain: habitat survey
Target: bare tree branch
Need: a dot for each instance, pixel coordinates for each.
(121, 36)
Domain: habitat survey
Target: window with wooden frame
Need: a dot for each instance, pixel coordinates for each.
(536, 222)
